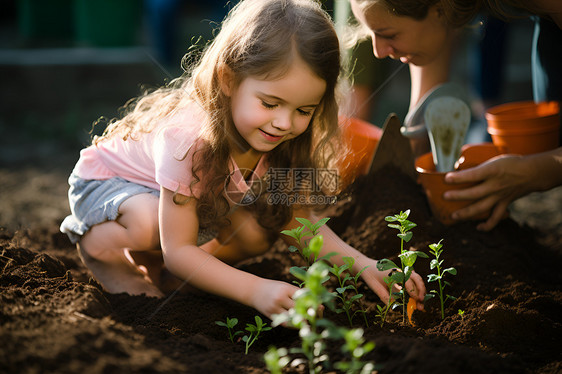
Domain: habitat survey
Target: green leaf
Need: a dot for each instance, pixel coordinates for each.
(320, 223)
(251, 328)
(326, 257)
(290, 233)
(394, 226)
(433, 277)
(391, 219)
(316, 245)
(397, 277)
(303, 221)
(452, 271)
(220, 323)
(356, 297)
(231, 322)
(433, 264)
(428, 296)
(360, 272)
(386, 264)
(436, 246)
(422, 254)
(293, 249)
(407, 272)
(408, 225)
(408, 258)
(405, 236)
(349, 261)
(342, 290)
(298, 272)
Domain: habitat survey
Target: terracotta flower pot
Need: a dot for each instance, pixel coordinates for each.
(524, 127)
(434, 186)
(361, 139)
(474, 154)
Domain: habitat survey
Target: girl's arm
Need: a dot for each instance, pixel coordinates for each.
(178, 234)
(373, 277)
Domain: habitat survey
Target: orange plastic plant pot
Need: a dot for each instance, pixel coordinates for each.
(434, 186)
(525, 127)
(474, 154)
(360, 139)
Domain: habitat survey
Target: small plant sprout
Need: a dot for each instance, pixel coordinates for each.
(436, 263)
(230, 324)
(314, 330)
(382, 311)
(276, 359)
(407, 258)
(347, 292)
(308, 240)
(255, 331)
(461, 313)
(356, 347)
(305, 315)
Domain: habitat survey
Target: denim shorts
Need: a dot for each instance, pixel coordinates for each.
(95, 201)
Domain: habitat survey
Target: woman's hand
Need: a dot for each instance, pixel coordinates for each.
(374, 278)
(500, 181)
(273, 297)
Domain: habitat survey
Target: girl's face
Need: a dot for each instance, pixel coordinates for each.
(403, 38)
(267, 113)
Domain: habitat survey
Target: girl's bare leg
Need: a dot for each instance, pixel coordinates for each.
(105, 247)
(243, 239)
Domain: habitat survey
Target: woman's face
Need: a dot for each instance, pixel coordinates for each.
(403, 38)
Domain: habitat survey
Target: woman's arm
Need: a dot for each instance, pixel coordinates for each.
(178, 234)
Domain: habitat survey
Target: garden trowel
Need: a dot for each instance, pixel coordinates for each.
(446, 119)
(394, 149)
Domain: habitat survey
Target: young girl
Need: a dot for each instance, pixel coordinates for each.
(187, 177)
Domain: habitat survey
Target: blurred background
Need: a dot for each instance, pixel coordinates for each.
(65, 63)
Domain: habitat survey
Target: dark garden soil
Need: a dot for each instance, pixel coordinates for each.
(55, 319)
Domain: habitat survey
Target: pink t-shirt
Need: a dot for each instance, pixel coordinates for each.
(162, 157)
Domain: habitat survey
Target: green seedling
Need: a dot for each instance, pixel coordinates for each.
(308, 240)
(347, 292)
(356, 347)
(382, 311)
(436, 263)
(276, 359)
(314, 330)
(407, 259)
(461, 313)
(255, 331)
(230, 324)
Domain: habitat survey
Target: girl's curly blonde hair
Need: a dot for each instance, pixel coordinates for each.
(258, 38)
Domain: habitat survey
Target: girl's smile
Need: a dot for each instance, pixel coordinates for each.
(270, 137)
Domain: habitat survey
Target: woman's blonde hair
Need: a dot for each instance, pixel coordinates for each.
(258, 38)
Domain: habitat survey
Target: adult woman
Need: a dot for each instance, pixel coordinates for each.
(422, 33)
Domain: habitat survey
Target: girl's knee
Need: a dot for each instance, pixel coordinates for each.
(254, 240)
(139, 216)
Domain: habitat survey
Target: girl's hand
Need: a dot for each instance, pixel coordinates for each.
(273, 297)
(375, 280)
